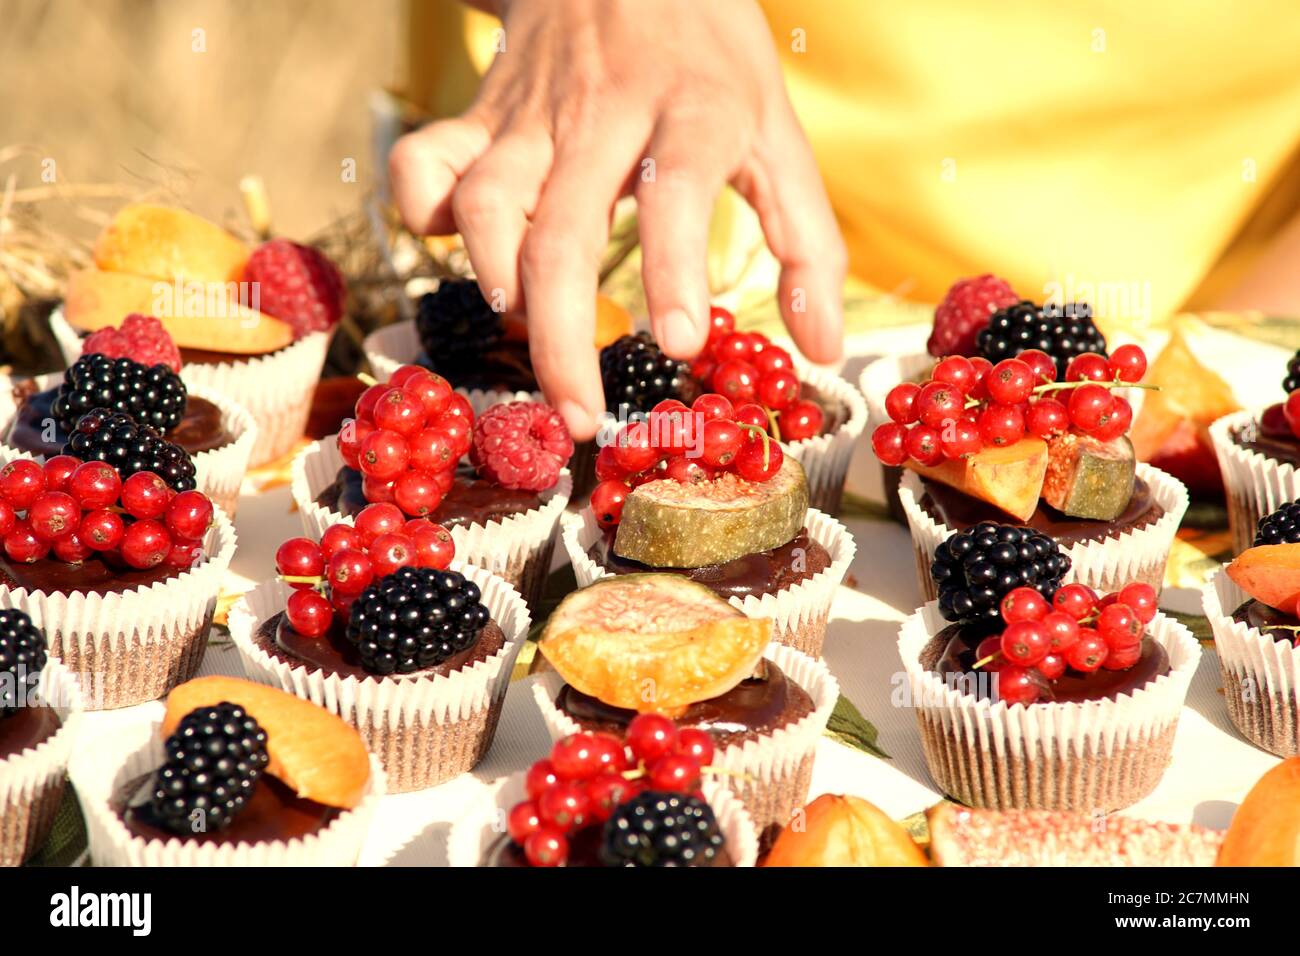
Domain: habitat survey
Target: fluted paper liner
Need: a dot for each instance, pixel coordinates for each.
(393, 346)
(218, 473)
(31, 782)
(825, 458)
(769, 773)
(99, 772)
(798, 613)
(1093, 756)
(1256, 484)
(1106, 565)
(1261, 676)
(133, 646)
(473, 834)
(275, 388)
(517, 547)
(425, 729)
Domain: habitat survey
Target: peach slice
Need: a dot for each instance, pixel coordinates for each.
(1009, 477)
(163, 242)
(653, 643)
(319, 755)
(1270, 573)
(612, 322)
(1265, 830)
(843, 831)
(199, 316)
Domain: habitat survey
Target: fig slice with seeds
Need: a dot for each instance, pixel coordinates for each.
(653, 643)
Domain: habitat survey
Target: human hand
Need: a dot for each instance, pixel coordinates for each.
(592, 100)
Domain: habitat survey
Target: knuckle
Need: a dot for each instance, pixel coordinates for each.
(476, 200)
(541, 253)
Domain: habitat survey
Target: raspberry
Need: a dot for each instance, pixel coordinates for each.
(298, 284)
(964, 311)
(521, 445)
(140, 338)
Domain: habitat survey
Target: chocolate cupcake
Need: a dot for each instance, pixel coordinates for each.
(878, 377)
(1259, 457)
(36, 737)
(825, 457)
(426, 725)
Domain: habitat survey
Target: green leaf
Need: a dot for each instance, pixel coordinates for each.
(849, 727)
(1198, 624)
(856, 506)
(67, 840)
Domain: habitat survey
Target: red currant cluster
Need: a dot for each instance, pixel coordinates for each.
(328, 576)
(1077, 631)
(1285, 418)
(969, 403)
(407, 437)
(757, 377)
(589, 774)
(77, 509)
(708, 440)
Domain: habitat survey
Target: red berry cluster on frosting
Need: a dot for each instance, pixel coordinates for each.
(1078, 631)
(968, 404)
(328, 575)
(588, 775)
(966, 309)
(708, 440)
(141, 338)
(757, 378)
(76, 510)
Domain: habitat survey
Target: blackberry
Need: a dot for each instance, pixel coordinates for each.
(661, 829)
(150, 394)
(1061, 331)
(415, 618)
(214, 758)
(1281, 527)
(637, 375)
(1292, 380)
(22, 654)
(977, 567)
(456, 326)
(102, 435)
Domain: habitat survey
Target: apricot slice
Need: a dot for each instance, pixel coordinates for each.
(653, 643)
(162, 242)
(612, 321)
(196, 316)
(316, 753)
(1008, 477)
(1270, 573)
(843, 831)
(1265, 830)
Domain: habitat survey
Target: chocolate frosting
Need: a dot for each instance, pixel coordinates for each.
(95, 575)
(584, 850)
(471, 500)
(1283, 448)
(27, 727)
(1268, 620)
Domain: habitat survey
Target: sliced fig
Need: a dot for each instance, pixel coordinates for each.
(960, 836)
(1009, 477)
(673, 524)
(1087, 478)
(653, 643)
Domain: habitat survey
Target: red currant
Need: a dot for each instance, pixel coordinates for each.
(349, 571)
(735, 380)
(523, 821)
(576, 757)
(70, 549)
(960, 437)
(1119, 626)
(633, 450)
(711, 406)
(101, 530)
(801, 420)
(939, 403)
(546, 847)
(458, 430)
(1001, 425)
(541, 777)
(696, 744)
(349, 440)
(338, 537)
(432, 450)
(58, 470)
(737, 346)
(982, 367)
(1128, 363)
(687, 470)
(1011, 382)
(606, 466)
(752, 414)
(957, 371)
(564, 806)
(607, 502)
(1141, 598)
(1062, 630)
(1122, 658)
(21, 483)
(146, 543)
(365, 406)
(1047, 417)
(1088, 367)
(675, 773)
(1052, 666)
(1024, 604)
(605, 792)
(720, 322)
(434, 546)
(1089, 406)
(1075, 600)
(8, 517)
(376, 491)
(184, 553)
(53, 515)
(432, 391)
(759, 459)
(1016, 685)
(1115, 422)
(376, 519)
(1042, 365)
(773, 358)
(721, 442)
(417, 493)
(383, 455)
(145, 495)
(900, 403)
(309, 613)
(1290, 410)
(889, 442)
(1088, 652)
(924, 444)
(22, 545)
(778, 390)
(651, 736)
(399, 411)
(388, 552)
(189, 514)
(1026, 642)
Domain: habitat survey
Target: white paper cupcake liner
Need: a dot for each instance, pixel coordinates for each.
(393, 346)
(137, 749)
(133, 646)
(1105, 565)
(1261, 676)
(425, 730)
(1094, 756)
(31, 782)
(1256, 484)
(825, 458)
(276, 389)
(474, 833)
(218, 472)
(518, 547)
(798, 613)
(770, 773)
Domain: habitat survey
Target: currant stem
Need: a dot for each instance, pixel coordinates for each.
(767, 455)
(367, 379)
(771, 421)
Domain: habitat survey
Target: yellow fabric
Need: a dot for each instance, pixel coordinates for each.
(1076, 142)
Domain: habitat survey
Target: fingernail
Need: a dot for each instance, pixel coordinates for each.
(580, 421)
(680, 338)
